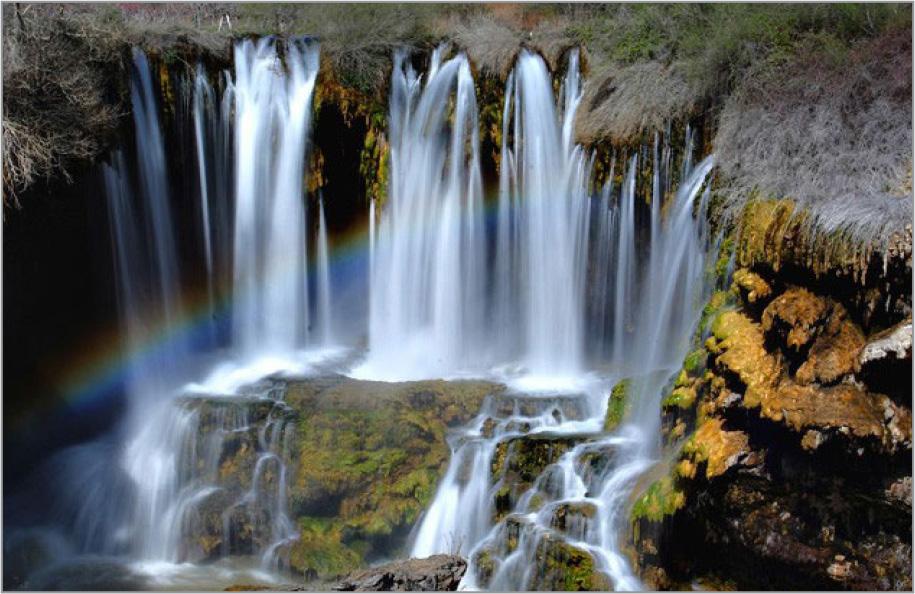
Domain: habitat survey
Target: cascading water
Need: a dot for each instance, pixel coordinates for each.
(325, 312)
(649, 340)
(173, 463)
(540, 263)
(426, 308)
(574, 502)
(272, 126)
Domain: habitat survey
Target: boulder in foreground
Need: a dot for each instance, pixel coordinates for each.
(439, 573)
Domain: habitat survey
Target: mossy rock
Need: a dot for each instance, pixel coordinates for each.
(369, 456)
(718, 448)
(573, 518)
(485, 565)
(527, 456)
(571, 407)
(752, 287)
(320, 551)
(565, 567)
(660, 499)
(593, 463)
(682, 397)
(618, 404)
(519, 461)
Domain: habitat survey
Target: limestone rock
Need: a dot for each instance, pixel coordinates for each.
(900, 493)
(834, 353)
(752, 286)
(718, 448)
(565, 567)
(439, 573)
(894, 343)
(796, 315)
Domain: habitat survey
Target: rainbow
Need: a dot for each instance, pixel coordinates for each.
(98, 372)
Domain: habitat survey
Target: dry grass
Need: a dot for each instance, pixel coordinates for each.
(359, 40)
(55, 77)
(490, 43)
(830, 130)
(619, 102)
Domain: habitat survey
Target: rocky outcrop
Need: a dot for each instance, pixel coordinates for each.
(439, 573)
(792, 460)
(361, 461)
(368, 457)
(517, 462)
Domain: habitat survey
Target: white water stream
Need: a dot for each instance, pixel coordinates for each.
(558, 291)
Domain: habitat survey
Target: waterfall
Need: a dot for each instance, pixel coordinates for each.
(514, 548)
(212, 138)
(547, 177)
(427, 305)
(553, 243)
(544, 179)
(430, 302)
(272, 126)
(325, 313)
(448, 296)
(174, 447)
(371, 266)
(625, 267)
(203, 103)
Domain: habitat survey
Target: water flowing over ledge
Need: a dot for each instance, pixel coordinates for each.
(555, 289)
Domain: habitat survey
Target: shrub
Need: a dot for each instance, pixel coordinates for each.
(829, 128)
(55, 79)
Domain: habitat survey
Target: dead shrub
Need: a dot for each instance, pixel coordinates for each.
(832, 130)
(619, 102)
(55, 110)
(490, 43)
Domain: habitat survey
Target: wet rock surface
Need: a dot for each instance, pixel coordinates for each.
(360, 462)
(793, 458)
(439, 573)
(367, 459)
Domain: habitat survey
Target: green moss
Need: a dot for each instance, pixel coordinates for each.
(716, 303)
(369, 456)
(535, 503)
(661, 499)
(681, 397)
(694, 362)
(502, 501)
(320, 548)
(618, 404)
(485, 565)
(724, 259)
(565, 567)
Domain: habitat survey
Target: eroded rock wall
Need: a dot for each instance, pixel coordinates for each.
(790, 430)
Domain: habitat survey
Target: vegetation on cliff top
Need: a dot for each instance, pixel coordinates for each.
(807, 101)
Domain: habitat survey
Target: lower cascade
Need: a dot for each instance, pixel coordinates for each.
(436, 336)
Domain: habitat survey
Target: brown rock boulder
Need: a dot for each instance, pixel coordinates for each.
(439, 573)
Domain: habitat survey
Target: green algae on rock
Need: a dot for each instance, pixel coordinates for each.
(564, 566)
(369, 457)
(618, 404)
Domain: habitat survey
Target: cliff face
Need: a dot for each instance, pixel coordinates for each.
(791, 429)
